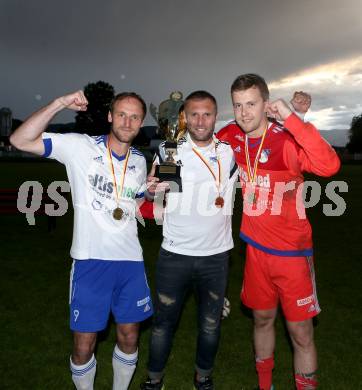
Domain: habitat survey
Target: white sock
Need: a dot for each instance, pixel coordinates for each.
(123, 368)
(83, 375)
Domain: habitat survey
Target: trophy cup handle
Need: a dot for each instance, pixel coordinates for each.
(154, 112)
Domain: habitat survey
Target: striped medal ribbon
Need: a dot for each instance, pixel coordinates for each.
(117, 212)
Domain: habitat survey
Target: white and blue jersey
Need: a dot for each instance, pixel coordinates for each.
(193, 225)
(96, 234)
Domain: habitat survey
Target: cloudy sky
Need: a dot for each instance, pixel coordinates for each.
(49, 48)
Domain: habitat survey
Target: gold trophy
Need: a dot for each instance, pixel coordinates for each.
(172, 125)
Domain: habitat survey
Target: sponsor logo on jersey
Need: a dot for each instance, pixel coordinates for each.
(147, 308)
(237, 149)
(98, 159)
(143, 301)
(103, 184)
(213, 159)
(131, 169)
(169, 242)
(239, 137)
(96, 204)
(264, 156)
(305, 301)
(261, 180)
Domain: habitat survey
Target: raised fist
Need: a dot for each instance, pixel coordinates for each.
(301, 101)
(74, 101)
(279, 110)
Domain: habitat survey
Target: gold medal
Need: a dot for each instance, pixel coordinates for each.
(118, 213)
(219, 202)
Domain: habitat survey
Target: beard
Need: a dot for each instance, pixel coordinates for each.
(203, 136)
(124, 135)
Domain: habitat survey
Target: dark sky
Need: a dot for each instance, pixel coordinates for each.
(51, 48)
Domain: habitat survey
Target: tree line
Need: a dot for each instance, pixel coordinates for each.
(355, 135)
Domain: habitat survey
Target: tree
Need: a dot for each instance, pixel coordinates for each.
(94, 121)
(355, 135)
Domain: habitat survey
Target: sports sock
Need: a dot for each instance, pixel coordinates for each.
(83, 375)
(123, 368)
(264, 368)
(306, 381)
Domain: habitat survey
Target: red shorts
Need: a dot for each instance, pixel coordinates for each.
(269, 279)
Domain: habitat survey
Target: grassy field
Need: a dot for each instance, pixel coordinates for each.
(36, 342)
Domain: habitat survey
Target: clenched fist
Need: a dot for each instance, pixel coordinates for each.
(301, 101)
(279, 110)
(74, 101)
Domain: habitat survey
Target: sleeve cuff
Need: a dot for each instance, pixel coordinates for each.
(48, 146)
(293, 123)
(140, 195)
(300, 115)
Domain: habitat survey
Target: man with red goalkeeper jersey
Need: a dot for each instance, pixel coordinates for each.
(279, 259)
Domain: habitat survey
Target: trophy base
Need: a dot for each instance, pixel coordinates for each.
(170, 173)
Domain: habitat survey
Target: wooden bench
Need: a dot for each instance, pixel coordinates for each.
(9, 199)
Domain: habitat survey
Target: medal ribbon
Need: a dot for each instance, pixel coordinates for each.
(217, 179)
(252, 171)
(112, 169)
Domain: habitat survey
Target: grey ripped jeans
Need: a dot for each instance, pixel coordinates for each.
(175, 275)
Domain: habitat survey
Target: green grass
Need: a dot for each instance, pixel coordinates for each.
(36, 342)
